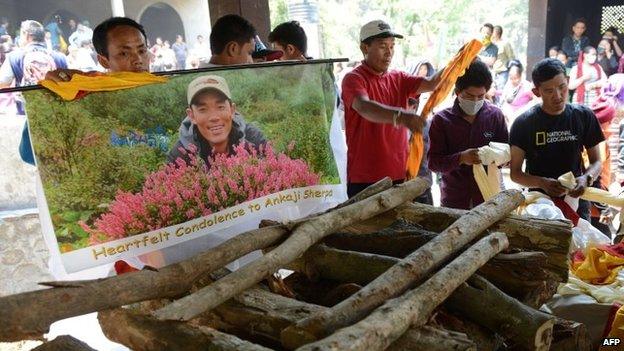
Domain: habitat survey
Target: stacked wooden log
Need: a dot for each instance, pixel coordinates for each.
(377, 272)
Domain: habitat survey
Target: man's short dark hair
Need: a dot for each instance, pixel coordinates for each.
(290, 33)
(580, 20)
(477, 75)
(100, 33)
(489, 26)
(546, 70)
(499, 29)
(230, 28)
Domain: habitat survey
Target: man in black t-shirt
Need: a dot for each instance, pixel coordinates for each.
(551, 136)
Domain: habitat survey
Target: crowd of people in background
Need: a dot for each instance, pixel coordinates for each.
(75, 43)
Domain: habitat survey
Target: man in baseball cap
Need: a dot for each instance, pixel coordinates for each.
(212, 123)
(262, 53)
(377, 113)
(377, 29)
(203, 83)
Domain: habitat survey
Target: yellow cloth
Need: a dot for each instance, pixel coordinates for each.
(489, 184)
(493, 155)
(453, 70)
(617, 328)
(598, 267)
(104, 82)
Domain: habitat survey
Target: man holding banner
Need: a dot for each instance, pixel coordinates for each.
(376, 114)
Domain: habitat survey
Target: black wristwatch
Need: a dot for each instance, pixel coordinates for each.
(590, 180)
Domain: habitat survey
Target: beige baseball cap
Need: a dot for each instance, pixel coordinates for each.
(377, 27)
(207, 82)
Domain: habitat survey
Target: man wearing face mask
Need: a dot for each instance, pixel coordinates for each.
(489, 53)
(457, 132)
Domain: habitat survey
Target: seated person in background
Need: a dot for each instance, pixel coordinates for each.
(291, 39)
(518, 92)
(607, 59)
(551, 137)
(423, 68)
(572, 44)
(612, 35)
(213, 126)
(553, 51)
(457, 132)
(489, 53)
(587, 77)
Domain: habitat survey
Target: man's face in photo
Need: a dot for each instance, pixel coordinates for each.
(212, 112)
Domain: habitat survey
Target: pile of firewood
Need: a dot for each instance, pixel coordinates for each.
(377, 272)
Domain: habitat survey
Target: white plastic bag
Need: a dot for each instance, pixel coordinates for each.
(584, 235)
(543, 208)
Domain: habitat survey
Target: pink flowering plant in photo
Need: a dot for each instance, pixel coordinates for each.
(188, 189)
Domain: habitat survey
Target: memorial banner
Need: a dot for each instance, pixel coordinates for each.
(167, 170)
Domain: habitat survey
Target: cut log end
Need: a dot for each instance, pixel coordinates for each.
(544, 336)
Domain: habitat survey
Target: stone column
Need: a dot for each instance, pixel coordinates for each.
(536, 46)
(118, 8)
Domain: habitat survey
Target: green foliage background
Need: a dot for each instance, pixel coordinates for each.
(81, 171)
(433, 30)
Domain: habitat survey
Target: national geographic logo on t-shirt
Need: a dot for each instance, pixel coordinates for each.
(561, 136)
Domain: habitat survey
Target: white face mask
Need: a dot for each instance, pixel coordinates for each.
(470, 107)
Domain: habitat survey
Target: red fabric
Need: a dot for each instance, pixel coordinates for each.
(568, 212)
(580, 90)
(122, 267)
(81, 94)
(608, 326)
(604, 109)
(577, 256)
(614, 250)
(376, 150)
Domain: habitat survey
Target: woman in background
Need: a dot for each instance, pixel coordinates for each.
(587, 77)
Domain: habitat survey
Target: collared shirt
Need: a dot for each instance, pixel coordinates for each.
(376, 150)
(449, 135)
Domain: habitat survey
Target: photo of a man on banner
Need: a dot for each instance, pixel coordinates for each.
(213, 125)
(125, 175)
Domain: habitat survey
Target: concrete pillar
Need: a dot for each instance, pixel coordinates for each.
(536, 46)
(118, 8)
(255, 11)
(306, 12)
